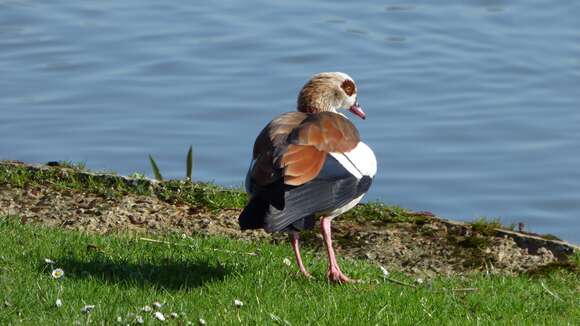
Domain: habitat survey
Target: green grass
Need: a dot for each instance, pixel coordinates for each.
(199, 194)
(188, 166)
(376, 211)
(80, 166)
(62, 179)
(486, 226)
(201, 277)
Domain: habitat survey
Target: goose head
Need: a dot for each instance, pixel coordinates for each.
(329, 91)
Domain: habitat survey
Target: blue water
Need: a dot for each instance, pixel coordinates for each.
(473, 106)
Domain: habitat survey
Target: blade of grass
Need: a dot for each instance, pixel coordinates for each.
(155, 168)
(189, 163)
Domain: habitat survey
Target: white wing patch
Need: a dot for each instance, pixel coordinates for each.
(359, 161)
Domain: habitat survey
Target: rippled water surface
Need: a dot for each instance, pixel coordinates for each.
(473, 106)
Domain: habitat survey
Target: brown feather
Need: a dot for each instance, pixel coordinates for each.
(301, 161)
(307, 169)
(294, 146)
(327, 131)
(271, 144)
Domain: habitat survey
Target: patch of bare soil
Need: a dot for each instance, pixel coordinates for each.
(436, 247)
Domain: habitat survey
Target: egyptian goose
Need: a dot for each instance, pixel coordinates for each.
(310, 164)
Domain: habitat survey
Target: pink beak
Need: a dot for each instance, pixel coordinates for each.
(356, 109)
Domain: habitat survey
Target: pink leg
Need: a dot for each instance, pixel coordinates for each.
(334, 274)
(294, 237)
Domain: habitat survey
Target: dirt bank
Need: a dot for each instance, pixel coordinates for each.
(424, 245)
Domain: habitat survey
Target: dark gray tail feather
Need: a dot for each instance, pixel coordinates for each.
(252, 217)
(314, 197)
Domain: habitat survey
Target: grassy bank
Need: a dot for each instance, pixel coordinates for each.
(68, 196)
(67, 176)
(200, 194)
(198, 277)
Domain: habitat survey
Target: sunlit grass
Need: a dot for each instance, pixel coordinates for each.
(188, 166)
(376, 211)
(155, 168)
(197, 277)
(200, 194)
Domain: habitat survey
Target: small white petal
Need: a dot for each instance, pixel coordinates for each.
(287, 262)
(49, 261)
(419, 280)
(146, 309)
(58, 303)
(159, 316)
(157, 304)
(384, 270)
(173, 315)
(119, 319)
(202, 321)
(238, 303)
(87, 308)
(57, 273)
(139, 320)
(279, 320)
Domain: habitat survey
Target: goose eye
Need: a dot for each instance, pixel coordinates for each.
(348, 87)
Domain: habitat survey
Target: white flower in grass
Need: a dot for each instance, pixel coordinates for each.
(58, 303)
(287, 262)
(419, 280)
(87, 308)
(279, 320)
(119, 319)
(238, 303)
(146, 309)
(139, 320)
(202, 321)
(57, 273)
(159, 316)
(157, 304)
(173, 315)
(275, 318)
(49, 261)
(385, 271)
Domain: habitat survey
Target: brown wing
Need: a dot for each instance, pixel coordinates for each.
(327, 131)
(270, 144)
(294, 146)
(302, 164)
